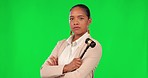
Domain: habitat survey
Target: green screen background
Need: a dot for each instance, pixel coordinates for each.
(30, 29)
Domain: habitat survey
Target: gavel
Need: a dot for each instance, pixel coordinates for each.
(90, 43)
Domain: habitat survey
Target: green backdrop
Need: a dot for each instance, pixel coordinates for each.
(29, 30)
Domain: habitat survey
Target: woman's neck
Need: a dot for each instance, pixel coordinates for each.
(76, 36)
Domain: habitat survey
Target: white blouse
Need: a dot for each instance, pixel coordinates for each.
(69, 53)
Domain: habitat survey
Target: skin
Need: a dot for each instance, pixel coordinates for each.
(79, 23)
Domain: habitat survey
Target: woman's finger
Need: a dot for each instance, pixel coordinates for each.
(55, 60)
(49, 63)
(52, 60)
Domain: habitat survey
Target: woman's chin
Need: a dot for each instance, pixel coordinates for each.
(78, 33)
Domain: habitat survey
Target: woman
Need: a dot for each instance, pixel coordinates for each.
(65, 61)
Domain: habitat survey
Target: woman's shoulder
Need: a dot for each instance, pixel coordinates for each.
(61, 41)
(97, 48)
(97, 42)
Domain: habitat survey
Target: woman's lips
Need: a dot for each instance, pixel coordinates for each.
(76, 28)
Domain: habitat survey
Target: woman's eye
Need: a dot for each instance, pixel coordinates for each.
(81, 18)
(71, 18)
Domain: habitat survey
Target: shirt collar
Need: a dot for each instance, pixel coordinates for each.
(79, 40)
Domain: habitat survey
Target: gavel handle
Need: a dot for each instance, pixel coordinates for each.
(84, 52)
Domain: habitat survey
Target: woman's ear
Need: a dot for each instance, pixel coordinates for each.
(89, 21)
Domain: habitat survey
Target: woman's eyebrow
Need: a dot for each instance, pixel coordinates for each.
(77, 16)
(80, 15)
(71, 16)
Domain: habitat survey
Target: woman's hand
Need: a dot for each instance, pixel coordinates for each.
(75, 64)
(53, 61)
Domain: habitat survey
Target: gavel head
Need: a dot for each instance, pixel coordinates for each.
(90, 42)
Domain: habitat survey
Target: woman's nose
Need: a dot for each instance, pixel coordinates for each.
(76, 22)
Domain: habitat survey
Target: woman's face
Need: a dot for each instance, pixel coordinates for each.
(79, 21)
